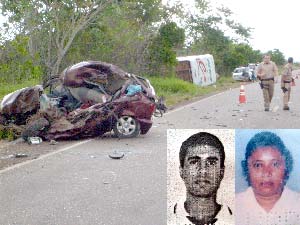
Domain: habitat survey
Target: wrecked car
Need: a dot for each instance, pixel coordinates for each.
(87, 99)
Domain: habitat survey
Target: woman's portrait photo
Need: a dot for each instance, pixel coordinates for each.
(267, 177)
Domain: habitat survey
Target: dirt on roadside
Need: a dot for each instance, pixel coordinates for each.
(14, 152)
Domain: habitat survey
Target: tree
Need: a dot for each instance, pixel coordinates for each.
(163, 48)
(17, 64)
(121, 35)
(277, 56)
(65, 32)
(213, 31)
(52, 25)
(240, 55)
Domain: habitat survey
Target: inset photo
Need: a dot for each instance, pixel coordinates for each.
(267, 177)
(200, 185)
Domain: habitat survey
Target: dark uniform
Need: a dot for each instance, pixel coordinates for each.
(286, 80)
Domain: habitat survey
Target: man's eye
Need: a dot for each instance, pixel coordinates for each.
(193, 161)
(212, 162)
(276, 164)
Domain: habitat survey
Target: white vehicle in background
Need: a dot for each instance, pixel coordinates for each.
(242, 74)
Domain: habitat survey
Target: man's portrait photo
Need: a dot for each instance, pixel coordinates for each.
(200, 177)
(267, 177)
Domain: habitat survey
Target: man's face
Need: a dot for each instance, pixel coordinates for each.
(266, 171)
(202, 171)
(266, 59)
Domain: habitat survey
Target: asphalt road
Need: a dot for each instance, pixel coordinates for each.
(82, 185)
(225, 111)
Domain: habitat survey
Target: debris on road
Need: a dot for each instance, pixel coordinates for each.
(116, 155)
(53, 142)
(7, 157)
(21, 155)
(275, 108)
(34, 140)
(205, 118)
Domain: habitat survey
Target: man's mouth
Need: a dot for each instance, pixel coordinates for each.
(202, 182)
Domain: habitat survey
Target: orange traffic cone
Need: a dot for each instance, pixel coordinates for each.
(242, 97)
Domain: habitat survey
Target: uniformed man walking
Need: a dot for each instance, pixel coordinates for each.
(266, 72)
(286, 80)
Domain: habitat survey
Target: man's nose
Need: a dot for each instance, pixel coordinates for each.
(202, 168)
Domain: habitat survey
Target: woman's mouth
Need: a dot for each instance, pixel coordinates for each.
(267, 184)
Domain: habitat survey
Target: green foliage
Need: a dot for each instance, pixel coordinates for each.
(176, 90)
(163, 48)
(7, 133)
(240, 55)
(172, 35)
(207, 30)
(277, 56)
(172, 85)
(113, 39)
(121, 35)
(17, 64)
(6, 88)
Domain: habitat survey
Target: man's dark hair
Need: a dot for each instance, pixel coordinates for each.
(199, 139)
(267, 139)
(290, 60)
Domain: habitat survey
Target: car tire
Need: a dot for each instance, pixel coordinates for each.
(127, 127)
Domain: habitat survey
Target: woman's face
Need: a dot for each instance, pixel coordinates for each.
(266, 168)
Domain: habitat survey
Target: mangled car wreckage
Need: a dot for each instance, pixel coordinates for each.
(87, 99)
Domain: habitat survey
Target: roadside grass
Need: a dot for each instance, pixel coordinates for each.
(176, 90)
(6, 88)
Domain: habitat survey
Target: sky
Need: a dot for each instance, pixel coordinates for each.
(275, 23)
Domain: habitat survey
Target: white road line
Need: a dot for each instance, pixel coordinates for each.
(43, 156)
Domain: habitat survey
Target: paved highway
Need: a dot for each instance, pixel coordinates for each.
(82, 185)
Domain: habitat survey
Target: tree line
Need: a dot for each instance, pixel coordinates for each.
(42, 37)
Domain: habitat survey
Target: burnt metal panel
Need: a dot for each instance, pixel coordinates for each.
(183, 71)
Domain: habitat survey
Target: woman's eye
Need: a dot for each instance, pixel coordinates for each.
(276, 164)
(257, 165)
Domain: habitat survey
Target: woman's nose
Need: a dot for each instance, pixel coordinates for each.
(267, 171)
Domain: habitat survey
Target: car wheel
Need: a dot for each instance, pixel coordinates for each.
(127, 127)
